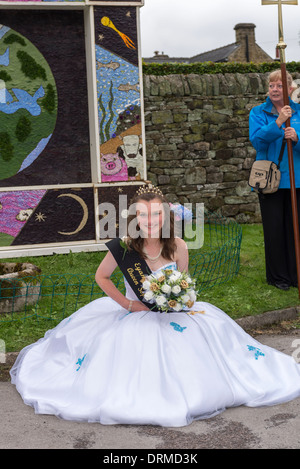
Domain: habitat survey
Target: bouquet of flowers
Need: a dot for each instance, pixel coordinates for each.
(170, 290)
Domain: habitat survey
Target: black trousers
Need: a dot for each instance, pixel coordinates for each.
(277, 219)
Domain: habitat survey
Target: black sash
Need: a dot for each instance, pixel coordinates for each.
(133, 267)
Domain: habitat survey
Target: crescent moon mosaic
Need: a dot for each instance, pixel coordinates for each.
(84, 217)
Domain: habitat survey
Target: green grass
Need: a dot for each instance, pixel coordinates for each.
(244, 295)
(6, 239)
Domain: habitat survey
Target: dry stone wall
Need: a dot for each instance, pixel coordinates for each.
(197, 138)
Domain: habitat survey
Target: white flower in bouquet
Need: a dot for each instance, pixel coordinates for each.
(176, 289)
(160, 300)
(146, 285)
(149, 295)
(166, 288)
(175, 276)
(170, 290)
(185, 298)
(192, 295)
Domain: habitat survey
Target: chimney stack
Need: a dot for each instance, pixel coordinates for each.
(245, 37)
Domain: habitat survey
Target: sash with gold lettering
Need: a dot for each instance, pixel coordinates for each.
(133, 267)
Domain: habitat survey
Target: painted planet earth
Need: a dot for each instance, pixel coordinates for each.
(28, 102)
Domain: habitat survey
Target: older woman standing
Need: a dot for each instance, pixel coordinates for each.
(267, 125)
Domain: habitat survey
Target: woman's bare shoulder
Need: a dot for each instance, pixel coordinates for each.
(180, 243)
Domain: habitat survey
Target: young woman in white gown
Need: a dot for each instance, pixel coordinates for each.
(116, 361)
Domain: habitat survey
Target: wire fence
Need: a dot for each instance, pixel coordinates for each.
(218, 260)
(58, 296)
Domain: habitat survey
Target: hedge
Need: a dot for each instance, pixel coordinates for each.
(201, 68)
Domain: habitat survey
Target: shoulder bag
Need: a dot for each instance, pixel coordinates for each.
(265, 175)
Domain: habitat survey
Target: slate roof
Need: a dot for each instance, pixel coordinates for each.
(217, 55)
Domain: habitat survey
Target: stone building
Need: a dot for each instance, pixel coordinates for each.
(244, 49)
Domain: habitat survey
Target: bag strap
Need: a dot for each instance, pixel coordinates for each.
(281, 152)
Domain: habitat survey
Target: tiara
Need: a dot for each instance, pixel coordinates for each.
(148, 188)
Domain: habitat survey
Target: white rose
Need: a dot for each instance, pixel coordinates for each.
(160, 300)
(146, 285)
(177, 274)
(178, 307)
(166, 289)
(176, 289)
(185, 298)
(148, 295)
(173, 278)
(192, 295)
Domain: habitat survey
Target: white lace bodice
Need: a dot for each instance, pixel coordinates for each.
(130, 293)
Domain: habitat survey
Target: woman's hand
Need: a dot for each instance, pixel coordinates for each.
(290, 133)
(284, 114)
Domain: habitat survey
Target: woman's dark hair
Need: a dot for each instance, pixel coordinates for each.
(137, 242)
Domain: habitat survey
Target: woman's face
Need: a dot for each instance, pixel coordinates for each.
(276, 91)
(150, 217)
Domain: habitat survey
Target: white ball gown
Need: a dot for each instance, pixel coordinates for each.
(104, 365)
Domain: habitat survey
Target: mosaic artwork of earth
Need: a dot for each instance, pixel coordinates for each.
(28, 102)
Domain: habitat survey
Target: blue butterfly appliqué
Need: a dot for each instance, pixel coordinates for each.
(79, 362)
(256, 350)
(177, 327)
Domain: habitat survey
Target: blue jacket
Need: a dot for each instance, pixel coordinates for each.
(266, 137)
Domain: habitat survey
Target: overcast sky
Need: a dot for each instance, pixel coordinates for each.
(184, 28)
